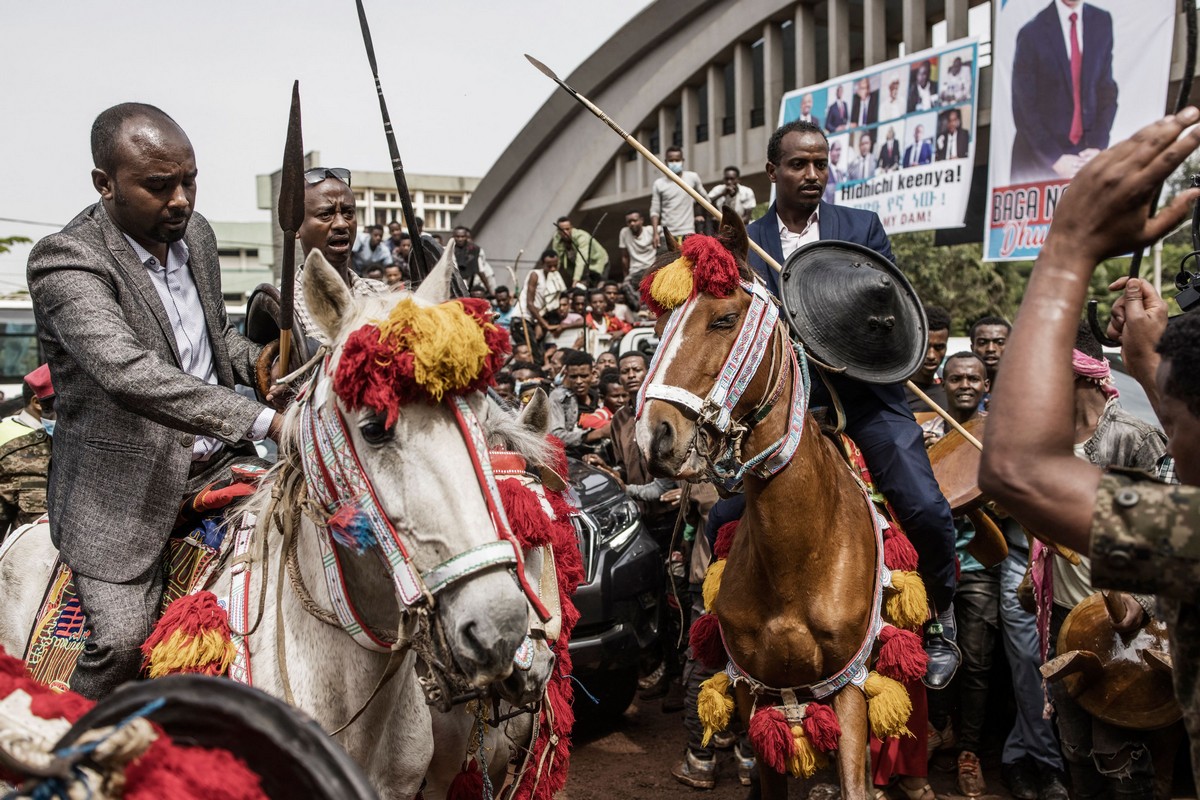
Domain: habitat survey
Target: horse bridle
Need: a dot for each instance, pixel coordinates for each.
(713, 414)
(335, 477)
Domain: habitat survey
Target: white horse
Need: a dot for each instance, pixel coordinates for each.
(423, 475)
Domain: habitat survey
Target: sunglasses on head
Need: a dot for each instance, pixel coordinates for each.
(318, 174)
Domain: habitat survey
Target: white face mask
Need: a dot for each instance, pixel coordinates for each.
(48, 425)
(676, 167)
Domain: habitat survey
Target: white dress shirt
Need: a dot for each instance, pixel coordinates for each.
(792, 241)
(1064, 19)
(177, 290)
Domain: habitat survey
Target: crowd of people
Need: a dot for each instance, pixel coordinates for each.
(569, 323)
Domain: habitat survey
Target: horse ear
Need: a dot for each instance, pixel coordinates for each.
(672, 242)
(536, 415)
(436, 286)
(325, 294)
(732, 233)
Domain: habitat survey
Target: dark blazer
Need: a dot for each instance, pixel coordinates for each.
(812, 119)
(889, 154)
(943, 141)
(872, 109)
(837, 115)
(1042, 93)
(878, 418)
(836, 222)
(914, 97)
(127, 413)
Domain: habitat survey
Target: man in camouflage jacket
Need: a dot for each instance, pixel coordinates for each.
(1142, 535)
(25, 462)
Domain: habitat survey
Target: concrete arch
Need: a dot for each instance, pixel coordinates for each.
(563, 153)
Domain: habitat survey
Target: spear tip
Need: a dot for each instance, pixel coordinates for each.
(542, 68)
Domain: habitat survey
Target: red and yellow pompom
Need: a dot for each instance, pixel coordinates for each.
(704, 266)
(420, 353)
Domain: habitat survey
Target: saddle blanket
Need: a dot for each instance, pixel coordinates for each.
(193, 552)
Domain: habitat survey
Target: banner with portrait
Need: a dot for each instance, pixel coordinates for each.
(1069, 79)
(901, 135)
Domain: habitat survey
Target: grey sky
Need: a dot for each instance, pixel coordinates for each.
(456, 83)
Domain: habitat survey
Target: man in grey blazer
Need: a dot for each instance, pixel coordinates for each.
(131, 318)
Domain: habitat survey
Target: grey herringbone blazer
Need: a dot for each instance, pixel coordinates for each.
(127, 413)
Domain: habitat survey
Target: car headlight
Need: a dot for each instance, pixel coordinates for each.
(617, 522)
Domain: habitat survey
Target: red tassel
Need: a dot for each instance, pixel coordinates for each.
(899, 554)
(45, 702)
(771, 738)
(169, 772)
(468, 784)
(822, 728)
(705, 639)
(525, 513)
(715, 270)
(901, 656)
(725, 535)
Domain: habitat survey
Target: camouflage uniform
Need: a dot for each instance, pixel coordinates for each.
(24, 466)
(1146, 538)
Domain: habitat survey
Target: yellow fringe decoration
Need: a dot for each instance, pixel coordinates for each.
(906, 605)
(888, 706)
(448, 346)
(714, 706)
(182, 652)
(712, 583)
(805, 760)
(672, 284)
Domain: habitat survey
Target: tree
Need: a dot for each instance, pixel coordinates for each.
(7, 242)
(957, 278)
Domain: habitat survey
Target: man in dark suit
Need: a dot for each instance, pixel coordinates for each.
(865, 108)
(922, 92)
(920, 151)
(144, 360)
(1064, 97)
(877, 417)
(837, 117)
(889, 152)
(954, 142)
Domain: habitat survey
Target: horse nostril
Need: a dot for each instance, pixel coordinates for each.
(664, 440)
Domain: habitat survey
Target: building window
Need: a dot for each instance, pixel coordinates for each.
(758, 81)
(729, 124)
(380, 197)
(654, 140)
(456, 199)
(757, 118)
(677, 130)
(788, 34)
(702, 113)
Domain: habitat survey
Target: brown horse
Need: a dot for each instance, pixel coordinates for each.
(795, 602)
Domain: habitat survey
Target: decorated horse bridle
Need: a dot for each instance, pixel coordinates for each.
(340, 488)
(713, 413)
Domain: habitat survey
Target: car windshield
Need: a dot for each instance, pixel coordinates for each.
(18, 345)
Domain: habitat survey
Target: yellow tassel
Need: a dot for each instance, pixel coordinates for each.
(714, 706)
(210, 652)
(888, 706)
(805, 760)
(712, 583)
(673, 284)
(448, 346)
(906, 605)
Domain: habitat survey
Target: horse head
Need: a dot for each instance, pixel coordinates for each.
(393, 450)
(700, 393)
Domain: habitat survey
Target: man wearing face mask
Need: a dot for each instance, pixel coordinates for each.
(25, 460)
(670, 206)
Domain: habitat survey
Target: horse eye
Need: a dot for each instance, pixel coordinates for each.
(375, 432)
(725, 321)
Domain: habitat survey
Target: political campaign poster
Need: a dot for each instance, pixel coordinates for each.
(901, 135)
(1070, 78)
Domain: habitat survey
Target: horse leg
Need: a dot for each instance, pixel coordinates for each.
(850, 705)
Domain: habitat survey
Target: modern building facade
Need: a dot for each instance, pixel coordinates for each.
(437, 199)
(706, 75)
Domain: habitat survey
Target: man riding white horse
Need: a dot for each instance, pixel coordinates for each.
(131, 318)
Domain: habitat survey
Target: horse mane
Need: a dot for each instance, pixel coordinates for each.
(504, 430)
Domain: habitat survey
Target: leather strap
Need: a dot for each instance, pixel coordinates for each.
(467, 563)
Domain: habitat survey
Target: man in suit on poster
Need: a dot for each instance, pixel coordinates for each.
(953, 142)
(920, 151)
(838, 115)
(144, 362)
(865, 108)
(1064, 97)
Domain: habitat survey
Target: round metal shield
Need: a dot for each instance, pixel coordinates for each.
(854, 309)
